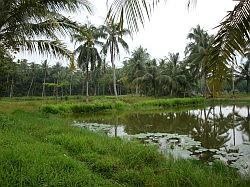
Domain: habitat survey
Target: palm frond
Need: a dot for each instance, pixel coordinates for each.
(234, 33)
(45, 46)
(134, 12)
(32, 19)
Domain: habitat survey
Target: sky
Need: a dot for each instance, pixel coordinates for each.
(166, 31)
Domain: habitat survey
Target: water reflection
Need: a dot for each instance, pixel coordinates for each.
(214, 127)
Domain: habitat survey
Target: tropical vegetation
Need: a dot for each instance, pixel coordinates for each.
(38, 99)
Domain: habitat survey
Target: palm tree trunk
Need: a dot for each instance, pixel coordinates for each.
(82, 83)
(11, 88)
(54, 89)
(204, 84)
(98, 88)
(113, 66)
(7, 84)
(44, 82)
(248, 84)
(154, 87)
(57, 86)
(136, 89)
(70, 85)
(87, 86)
(30, 86)
(62, 91)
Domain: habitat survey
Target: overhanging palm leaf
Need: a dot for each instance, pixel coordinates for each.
(36, 19)
(234, 32)
(134, 12)
(45, 46)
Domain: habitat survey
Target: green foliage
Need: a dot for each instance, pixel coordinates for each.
(37, 19)
(43, 150)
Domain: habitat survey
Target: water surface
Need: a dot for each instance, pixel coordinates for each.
(214, 127)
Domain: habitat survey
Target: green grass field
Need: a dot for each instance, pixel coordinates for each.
(39, 149)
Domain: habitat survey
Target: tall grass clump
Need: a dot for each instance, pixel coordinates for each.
(163, 103)
(82, 108)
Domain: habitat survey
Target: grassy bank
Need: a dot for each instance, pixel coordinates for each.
(38, 149)
(97, 106)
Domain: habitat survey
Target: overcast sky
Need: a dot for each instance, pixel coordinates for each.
(167, 30)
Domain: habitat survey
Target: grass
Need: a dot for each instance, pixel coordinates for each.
(39, 149)
(173, 102)
(82, 108)
(43, 150)
(99, 105)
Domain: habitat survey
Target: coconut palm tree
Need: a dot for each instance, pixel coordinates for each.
(171, 76)
(32, 74)
(244, 72)
(135, 66)
(45, 70)
(114, 37)
(88, 55)
(34, 24)
(72, 68)
(198, 54)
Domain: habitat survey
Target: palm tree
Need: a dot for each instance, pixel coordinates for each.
(149, 78)
(135, 66)
(88, 55)
(24, 23)
(114, 38)
(198, 54)
(72, 68)
(45, 70)
(171, 75)
(244, 72)
(33, 73)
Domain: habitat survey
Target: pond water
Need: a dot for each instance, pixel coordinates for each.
(216, 132)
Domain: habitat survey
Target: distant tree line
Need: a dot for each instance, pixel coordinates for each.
(141, 74)
(35, 26)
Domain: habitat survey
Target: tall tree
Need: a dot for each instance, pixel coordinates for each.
(72, 68)
(88, 55)
(198, 54)
(45, 71)
(32, 74)
(135, 66)
(244, 72)
(114, 38)
(172, 75)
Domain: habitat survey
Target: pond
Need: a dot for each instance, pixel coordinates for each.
(216, 132)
